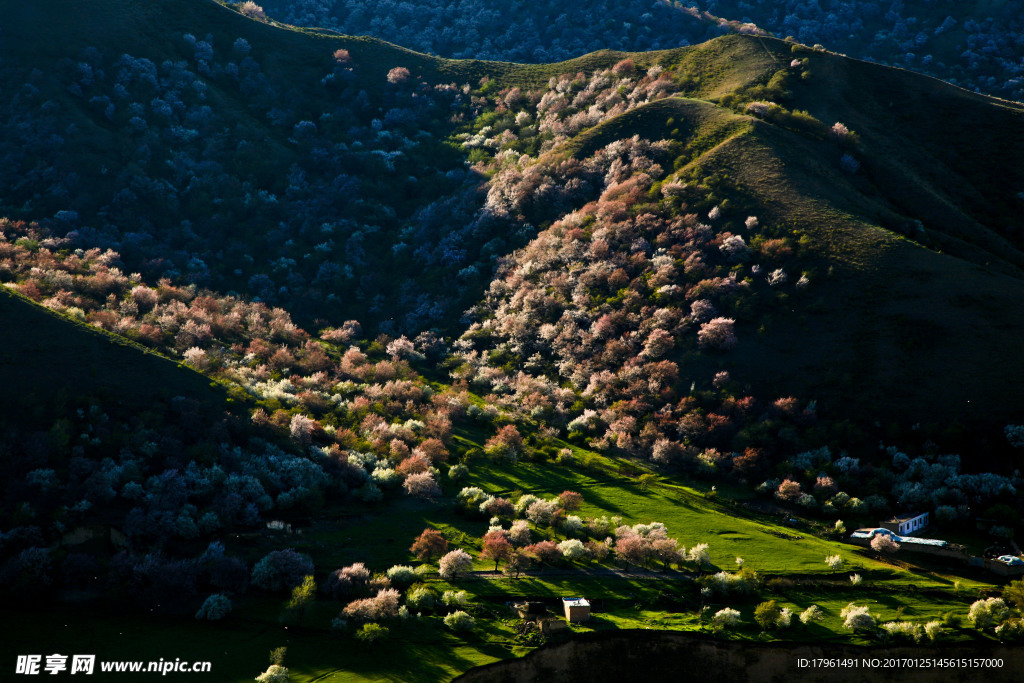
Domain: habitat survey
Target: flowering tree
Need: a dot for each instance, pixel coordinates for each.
(428, 545)
(518, 561)
(988, 613)
(401, 347)
(570, 500)
(342, 581)
(384, 605)
(253, 11)
(717, 333)
(834, 562)
(541, 511)
(811, 614)
(789, 490)
(422, 485)
(496, 547)
(507, 444)
(667, 551)
(454, 564)
(397, 75)
(498, 507)
(573, 549)
(700, 555)
(519, 534)
(857, 618)
(301, 428)
(632, 549)
(725, 618)
(882, 543)
(546, 552)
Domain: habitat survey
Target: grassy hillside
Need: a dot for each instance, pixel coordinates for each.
(684, 281)
(975, 44)
(50, 364)
(915, 255)
(924, 253)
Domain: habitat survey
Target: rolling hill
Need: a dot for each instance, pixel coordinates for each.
(666, 282)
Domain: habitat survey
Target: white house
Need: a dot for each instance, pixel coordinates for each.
(906, 525)
(576, 609)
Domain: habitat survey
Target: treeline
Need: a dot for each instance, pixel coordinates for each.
(976, 46)
(515, 31)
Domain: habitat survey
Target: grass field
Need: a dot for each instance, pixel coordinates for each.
(424, 650)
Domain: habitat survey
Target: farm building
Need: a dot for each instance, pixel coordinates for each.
(576, 609)
(906, 525)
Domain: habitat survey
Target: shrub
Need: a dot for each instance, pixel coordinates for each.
(382, 606)
(274, 674)
(811, 615)
(725, 618)
(460, 621)
(849, 164)
(988, 613)
(724, 583)
(253, 11)
(402, 575)
(372, 633)
(215, 607)
(421, 599)
(903, 629)
(455, 599)
(767, 614)
(471, 497)
(341, 581)
(857, 618)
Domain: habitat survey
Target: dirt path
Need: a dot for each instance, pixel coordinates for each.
(602, 572)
